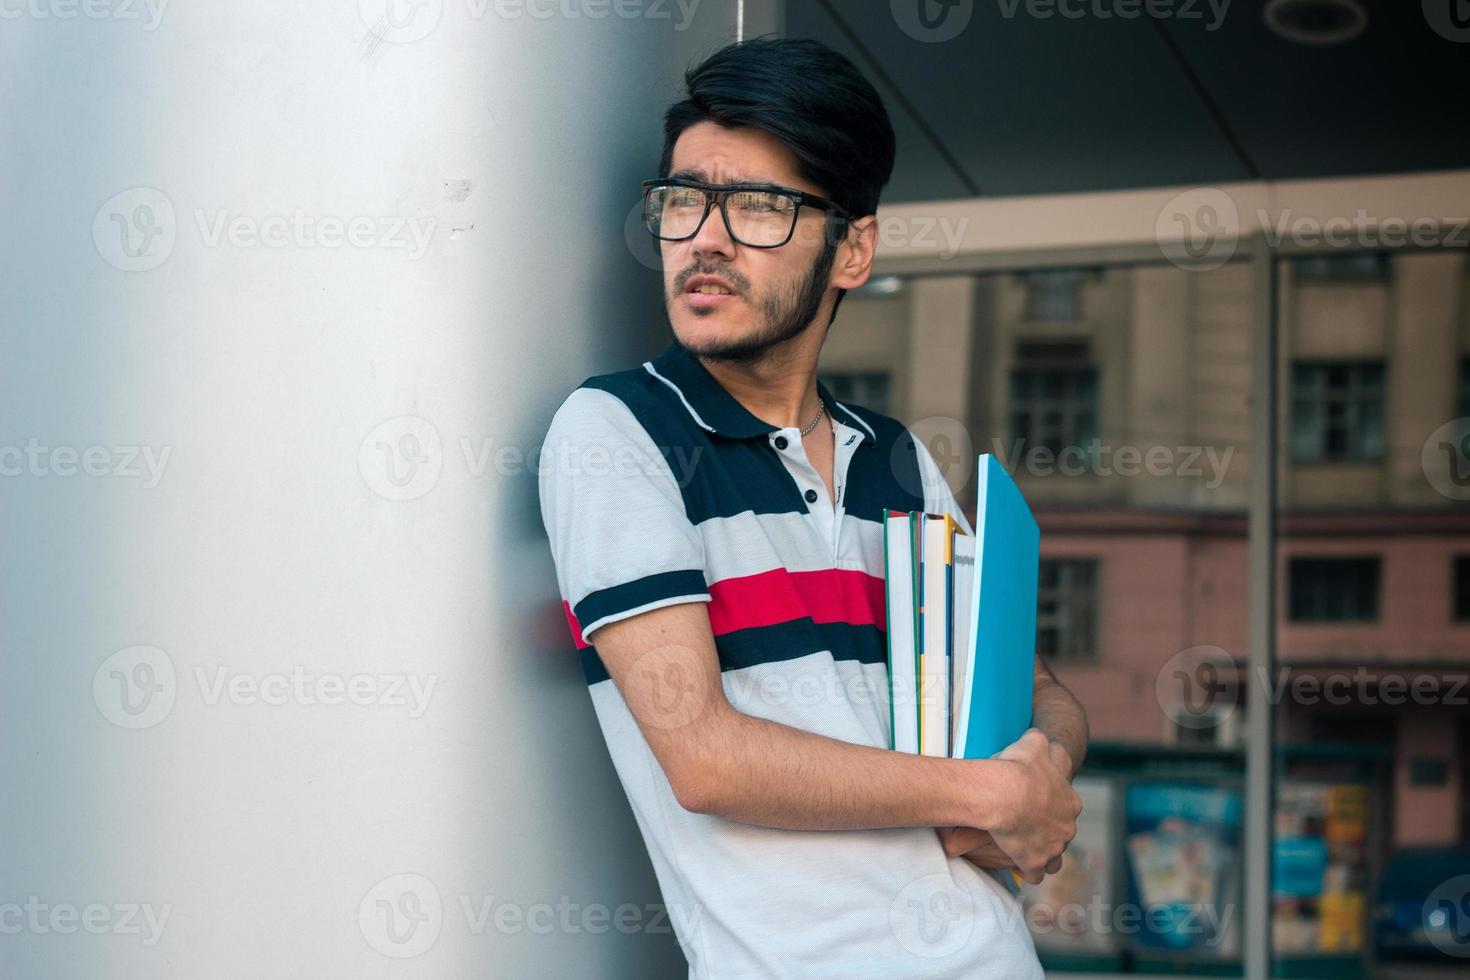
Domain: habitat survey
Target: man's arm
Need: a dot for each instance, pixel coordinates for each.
(1060, 715)
(723, 762)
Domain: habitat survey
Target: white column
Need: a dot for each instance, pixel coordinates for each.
(281, 281)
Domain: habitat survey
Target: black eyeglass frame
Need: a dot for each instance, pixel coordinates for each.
(716, 194)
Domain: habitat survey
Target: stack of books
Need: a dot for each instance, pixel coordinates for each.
(961, 622)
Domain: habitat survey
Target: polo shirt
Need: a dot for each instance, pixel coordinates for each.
(658, 487)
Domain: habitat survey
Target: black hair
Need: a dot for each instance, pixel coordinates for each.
(812, 99)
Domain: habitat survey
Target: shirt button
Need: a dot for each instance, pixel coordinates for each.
(811, 496)
(780, 442)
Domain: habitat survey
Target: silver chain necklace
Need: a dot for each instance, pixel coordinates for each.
(820, 409)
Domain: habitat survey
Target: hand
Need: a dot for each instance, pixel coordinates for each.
(976, 846)
(1038, 808)
(979, 847)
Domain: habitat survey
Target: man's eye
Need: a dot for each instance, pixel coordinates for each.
(758, 203)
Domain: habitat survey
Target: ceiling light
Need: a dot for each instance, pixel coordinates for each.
(1316, 22)
(883, 285)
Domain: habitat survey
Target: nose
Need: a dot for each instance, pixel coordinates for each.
(713, 238)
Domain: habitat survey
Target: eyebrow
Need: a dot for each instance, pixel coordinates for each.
(695, 173)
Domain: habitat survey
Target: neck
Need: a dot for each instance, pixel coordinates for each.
(780, 389)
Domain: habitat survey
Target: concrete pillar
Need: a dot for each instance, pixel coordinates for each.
(1423, 366)
(940, 370)
(290, 293)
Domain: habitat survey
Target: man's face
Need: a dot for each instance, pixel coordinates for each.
(776, 293)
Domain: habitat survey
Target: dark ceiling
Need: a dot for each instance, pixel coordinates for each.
(1020, 104)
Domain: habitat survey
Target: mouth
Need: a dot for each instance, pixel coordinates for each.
(707, 292)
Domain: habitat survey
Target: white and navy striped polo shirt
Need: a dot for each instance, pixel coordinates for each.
(659, 487)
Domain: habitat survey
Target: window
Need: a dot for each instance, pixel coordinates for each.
(1353, 267)
(1336, 411)
(1052, 295)
(1053, 396)
(1217, 727)
(868, 389)
(1066, 610)
(1462, 587)
(1333, 590)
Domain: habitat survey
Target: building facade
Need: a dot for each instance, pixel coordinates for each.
(1119, 397)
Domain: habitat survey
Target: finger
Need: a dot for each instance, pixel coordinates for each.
(963, 840)
(1014, 860)
(987, 857)
(1054, 865)
(992, 864)
(1027, 740)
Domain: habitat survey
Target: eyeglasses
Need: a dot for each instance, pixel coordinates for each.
(757, 215)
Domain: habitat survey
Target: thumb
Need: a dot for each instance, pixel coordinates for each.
(963, 839)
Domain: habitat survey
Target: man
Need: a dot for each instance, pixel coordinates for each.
(715, 518)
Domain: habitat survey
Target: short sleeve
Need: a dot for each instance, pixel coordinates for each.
(620, 537)
(938, 497)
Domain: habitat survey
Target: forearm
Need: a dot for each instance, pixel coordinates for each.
(1060, 715)
(762, 772)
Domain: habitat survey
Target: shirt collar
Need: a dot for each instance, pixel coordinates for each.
(716, 410)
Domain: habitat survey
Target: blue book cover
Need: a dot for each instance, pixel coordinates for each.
(1000, 648)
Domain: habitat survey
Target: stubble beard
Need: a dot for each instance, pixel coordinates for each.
(787, 312)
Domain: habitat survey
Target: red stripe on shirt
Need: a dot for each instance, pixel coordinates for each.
(830, 595)
(575, 626)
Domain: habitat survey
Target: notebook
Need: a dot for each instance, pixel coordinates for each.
(937, 598)
(900, 566)
(996, 652)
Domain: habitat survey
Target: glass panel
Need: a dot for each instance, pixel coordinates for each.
(1126, 424)
(1142, 606)
(1372, 649)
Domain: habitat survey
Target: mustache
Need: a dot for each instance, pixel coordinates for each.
(736, 282)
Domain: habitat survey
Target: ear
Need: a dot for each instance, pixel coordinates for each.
(854, 260)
